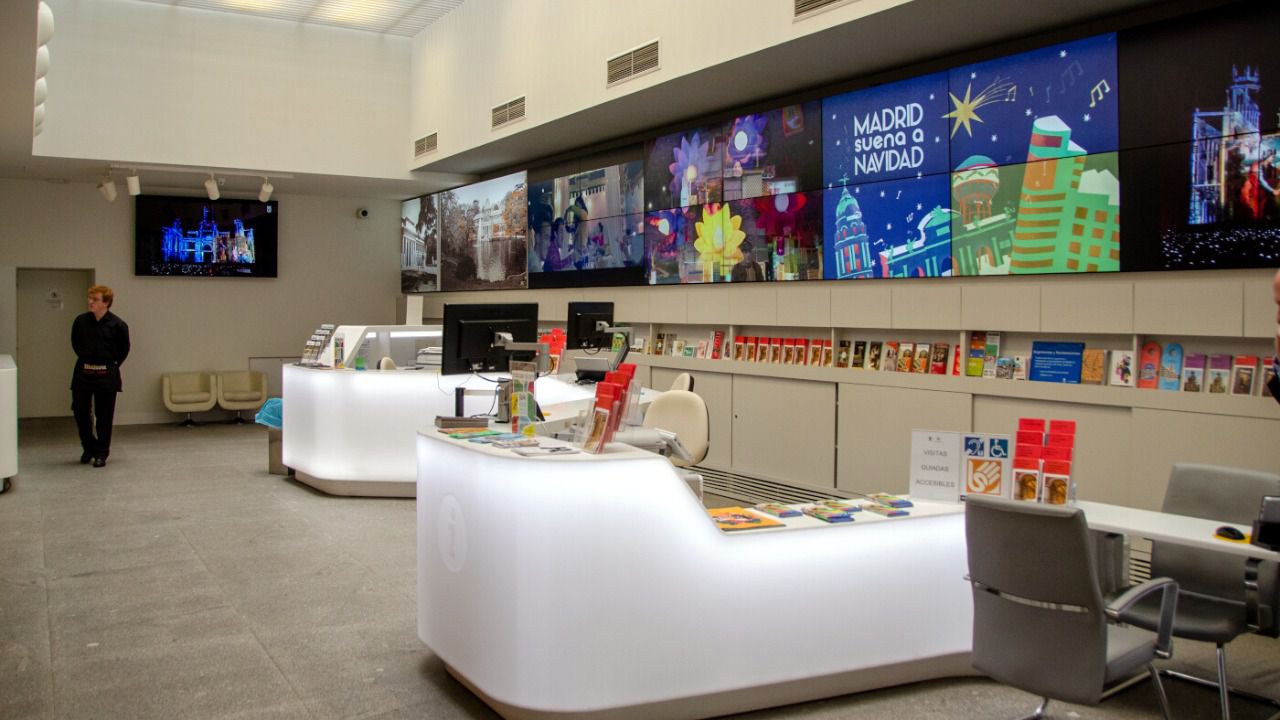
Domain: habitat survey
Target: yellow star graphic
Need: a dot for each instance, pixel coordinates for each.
(964, 112)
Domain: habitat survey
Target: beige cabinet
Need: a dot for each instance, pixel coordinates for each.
(784, 430)
(875, 425)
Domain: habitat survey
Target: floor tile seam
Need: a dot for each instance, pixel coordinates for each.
(293, 688)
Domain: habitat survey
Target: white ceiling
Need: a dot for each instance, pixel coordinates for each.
(388, 17)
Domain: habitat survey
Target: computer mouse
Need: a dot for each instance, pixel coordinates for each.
(1228, 532)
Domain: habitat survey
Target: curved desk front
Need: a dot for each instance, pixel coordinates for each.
(596, 586)
(349, 432)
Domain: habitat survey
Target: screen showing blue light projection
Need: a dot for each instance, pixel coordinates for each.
(996, 105)
(885, 133)
(900, 228)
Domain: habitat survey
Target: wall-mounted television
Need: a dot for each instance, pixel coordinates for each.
(198, 237)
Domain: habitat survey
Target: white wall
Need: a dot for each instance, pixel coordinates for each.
(332, 268)
(143, 82)
(486, 52)
(8, 318)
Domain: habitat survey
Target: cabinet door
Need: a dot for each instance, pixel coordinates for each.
(875, 431)
(716, 389)
(784, 430)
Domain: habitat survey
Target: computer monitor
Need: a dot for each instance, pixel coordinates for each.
(470, 330)
(581, 327)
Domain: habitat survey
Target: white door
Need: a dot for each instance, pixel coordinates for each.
(48, 300)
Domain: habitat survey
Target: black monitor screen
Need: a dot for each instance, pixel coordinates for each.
(469, 332)
(582, 326)
(198, 237)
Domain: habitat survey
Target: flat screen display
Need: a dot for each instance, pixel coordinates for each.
(483, 229)
(773, 153)
(587, 228)
(420, 245)
(685, 169)
(198, 237)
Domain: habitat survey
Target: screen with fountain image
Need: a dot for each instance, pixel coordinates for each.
(198, 237)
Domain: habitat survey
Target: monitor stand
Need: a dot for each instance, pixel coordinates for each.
(592, 369)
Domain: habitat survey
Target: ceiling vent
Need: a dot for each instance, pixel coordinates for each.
(424, 145)
(507, 112)
(637, 61)
(809, 7)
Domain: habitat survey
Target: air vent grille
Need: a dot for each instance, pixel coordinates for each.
(806, 7)
(507, 112)
(424, 145)
(751, 490)
(634, 62)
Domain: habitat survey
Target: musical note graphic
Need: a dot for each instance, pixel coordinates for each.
(1072, 72)
(899, 195)
(1048, 93)
(911, 217)
(1098, 91)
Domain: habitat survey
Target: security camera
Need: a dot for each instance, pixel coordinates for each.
(362, 213)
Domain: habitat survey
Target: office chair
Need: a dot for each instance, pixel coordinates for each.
(683, 381)
(189, 392)
(684, 414)
(1213, 605)
(1039, 622)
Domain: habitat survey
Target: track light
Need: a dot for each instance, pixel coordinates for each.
(134, 184)
(42, 61)
(211, 187)
(42, 90)
(44, 25)
(265, 193)
(108, 188)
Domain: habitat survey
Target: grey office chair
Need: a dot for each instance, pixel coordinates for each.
(1039, 622)
(1213, 605)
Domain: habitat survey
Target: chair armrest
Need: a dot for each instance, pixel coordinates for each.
(1116, 609)
(1252, 607)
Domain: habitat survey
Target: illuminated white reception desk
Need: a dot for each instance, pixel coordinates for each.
(588, 586)
(8, 420)
(351, 432)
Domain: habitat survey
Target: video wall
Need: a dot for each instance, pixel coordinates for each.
(1007, 166)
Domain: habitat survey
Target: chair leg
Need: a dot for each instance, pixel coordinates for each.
(1224, 690)
(1223, 687)
(1039, 713)
(188, 422)
(239, 420)
(1164, 699)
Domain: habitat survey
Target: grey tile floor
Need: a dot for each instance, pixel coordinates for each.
(184, 581)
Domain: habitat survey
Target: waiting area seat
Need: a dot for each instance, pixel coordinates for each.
(189, 392)
(240, 390)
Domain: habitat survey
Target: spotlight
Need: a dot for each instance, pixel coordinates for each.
(44, 25)
(134, 184)
(42, 61)
(108, 188)
(37, 115)
(211, 186)
(265, 193)
(42, 90)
